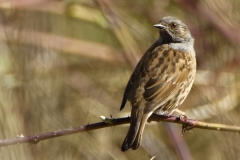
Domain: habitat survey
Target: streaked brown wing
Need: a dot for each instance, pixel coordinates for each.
(169, 71)
(137, 72)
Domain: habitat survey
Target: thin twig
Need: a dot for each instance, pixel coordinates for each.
(34, 139)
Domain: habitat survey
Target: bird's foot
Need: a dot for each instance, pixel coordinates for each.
(186, 126)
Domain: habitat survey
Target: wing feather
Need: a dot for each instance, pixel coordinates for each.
(167, 75)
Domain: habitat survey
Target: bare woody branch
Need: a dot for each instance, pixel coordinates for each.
(187, 125)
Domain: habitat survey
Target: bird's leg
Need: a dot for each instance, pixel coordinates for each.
(182, 116)
(180, 112)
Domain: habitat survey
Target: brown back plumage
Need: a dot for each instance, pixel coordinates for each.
(160, 83)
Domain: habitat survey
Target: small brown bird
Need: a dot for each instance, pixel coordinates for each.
(162, 79)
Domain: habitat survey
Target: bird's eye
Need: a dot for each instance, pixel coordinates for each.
(173, 25)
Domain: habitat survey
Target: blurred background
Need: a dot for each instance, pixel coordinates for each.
(65, 63)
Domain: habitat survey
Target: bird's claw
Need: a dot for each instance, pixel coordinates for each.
(187, 126)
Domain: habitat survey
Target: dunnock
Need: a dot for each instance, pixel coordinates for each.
(162, 79)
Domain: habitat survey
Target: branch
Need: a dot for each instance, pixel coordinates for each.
(34, 139)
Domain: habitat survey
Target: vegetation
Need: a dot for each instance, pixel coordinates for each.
(66, 63)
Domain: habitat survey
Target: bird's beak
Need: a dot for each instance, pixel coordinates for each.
(160, 26)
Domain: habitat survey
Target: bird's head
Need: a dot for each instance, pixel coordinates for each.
(173, 30)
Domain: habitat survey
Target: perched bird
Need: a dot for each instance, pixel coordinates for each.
(162, 79)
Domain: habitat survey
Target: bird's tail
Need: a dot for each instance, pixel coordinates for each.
(134, 135)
